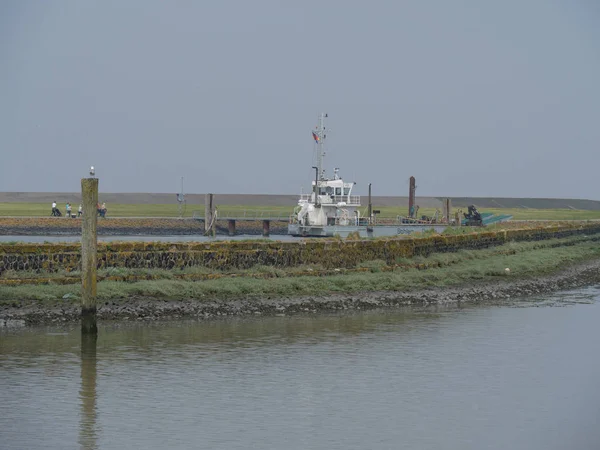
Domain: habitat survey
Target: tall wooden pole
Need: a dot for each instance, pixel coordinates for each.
(89, 258)
(210, 226)
(411, 198)
(370, 206)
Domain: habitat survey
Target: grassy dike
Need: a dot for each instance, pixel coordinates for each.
(41, 210)
(526, 260)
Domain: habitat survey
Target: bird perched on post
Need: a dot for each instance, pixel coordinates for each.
(92, 171)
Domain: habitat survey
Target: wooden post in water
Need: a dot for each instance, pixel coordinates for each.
(412, 212)
(370, 210)
(89, 258)
(266, 226)
(231, 227)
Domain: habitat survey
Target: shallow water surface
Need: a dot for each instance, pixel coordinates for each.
(143, 238)
(523, 376)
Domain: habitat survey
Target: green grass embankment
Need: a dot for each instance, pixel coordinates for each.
(525, 259)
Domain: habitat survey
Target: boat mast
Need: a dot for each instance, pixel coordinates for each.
(320, 145)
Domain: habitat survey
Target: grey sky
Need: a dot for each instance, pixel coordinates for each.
(473, 98)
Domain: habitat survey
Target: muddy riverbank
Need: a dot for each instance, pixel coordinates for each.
(490, 292)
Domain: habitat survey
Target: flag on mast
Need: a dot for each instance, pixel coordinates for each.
(316, 137)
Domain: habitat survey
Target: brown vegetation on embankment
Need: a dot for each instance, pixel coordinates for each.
(121, 274)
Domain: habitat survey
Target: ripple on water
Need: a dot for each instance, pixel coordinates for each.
(444, 377)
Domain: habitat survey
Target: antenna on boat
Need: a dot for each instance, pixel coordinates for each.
(316, 188)
(319, 136)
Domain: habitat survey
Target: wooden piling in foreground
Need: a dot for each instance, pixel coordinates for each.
(231, 227)
(89, 258)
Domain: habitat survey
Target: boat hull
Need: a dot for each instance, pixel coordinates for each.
(363, 231)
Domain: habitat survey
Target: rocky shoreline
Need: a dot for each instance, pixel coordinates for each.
(149, 309)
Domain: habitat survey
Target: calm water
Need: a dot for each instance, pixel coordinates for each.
(153, 238)
(524, 376)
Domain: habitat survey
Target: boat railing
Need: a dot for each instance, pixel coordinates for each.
(350, 200)
(338, 221)
(403, 220)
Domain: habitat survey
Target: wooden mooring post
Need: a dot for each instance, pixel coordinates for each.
(89, 258)
(210, 227)
(370, 207)
(448, 210)
(412, 212)
(231, 227)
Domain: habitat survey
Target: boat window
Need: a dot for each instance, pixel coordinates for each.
(322, 191)
(329, 190)
(338, 191)
(346, 191)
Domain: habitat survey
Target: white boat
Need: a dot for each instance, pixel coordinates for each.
(332, 210)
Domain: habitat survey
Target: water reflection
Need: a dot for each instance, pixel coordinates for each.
(446, 377)
(87, 393)
(121, 339)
